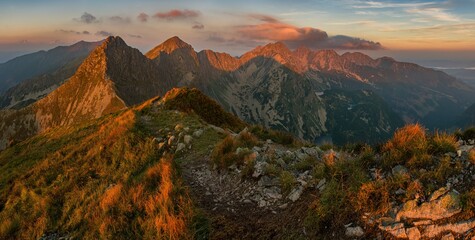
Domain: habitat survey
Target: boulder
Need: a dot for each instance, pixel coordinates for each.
(459, 228)
(259, 169)
(444, 206)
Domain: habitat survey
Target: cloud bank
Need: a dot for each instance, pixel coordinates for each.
(177, 14)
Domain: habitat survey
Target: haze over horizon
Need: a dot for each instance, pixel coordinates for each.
(431, 33)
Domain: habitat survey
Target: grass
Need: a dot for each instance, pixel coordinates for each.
(100, 180)
(224, 153)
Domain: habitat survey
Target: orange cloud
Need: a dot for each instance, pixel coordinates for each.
(271, 29)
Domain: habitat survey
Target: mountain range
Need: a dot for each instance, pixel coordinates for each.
(312, 94)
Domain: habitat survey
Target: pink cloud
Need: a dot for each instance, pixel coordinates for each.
(177, 14)
(143, 17)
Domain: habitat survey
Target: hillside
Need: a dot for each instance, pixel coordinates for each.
(165, 169)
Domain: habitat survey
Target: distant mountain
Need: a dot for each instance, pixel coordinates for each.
(464, 74)
(308, 93)
(32, 65)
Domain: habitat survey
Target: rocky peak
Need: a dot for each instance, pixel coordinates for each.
(358, 58)
(169, 46)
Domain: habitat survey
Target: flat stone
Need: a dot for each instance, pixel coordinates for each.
(437, 194)
(321, 184)
(171, 140)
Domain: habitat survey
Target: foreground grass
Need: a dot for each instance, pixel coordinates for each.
(101, 180)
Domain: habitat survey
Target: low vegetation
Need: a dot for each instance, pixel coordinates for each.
(102, 180)
(234, 150)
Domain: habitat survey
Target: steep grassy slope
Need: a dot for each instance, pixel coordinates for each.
(102, 179)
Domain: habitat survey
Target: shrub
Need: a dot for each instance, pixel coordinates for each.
(287, 181)
(306, 164)
(280, 137)
(408, 143)
(471, 156)
(468, 200)
(469, 134)
(373, 197)
(224, 153)
(442, 143)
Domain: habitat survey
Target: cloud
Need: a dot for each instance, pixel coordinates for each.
(120, 20)
(376, 4)
(104, 33)
(143, 17)
(134, 36)
(177, 14)
(434, 13)
(232, 41)
(198, 26)
(72, 32)
(87, 18)
(272, 29)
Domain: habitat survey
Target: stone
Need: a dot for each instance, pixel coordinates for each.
(396, 229)
(265, 181)
(459, 153)
(171, 139)
(186, 129)
(262, 203)
(413, 233)
(437, 194)
(444, 206)
(198, 133)
(187, 139)
(268, 141)
(295, 194)
(354, 231)
(178, 127)
(180, 147)
(448, 236)
(399, 169)
(272, 193)
(321, 184)
(259, 169)
(422, 223)
(301, 156)
(158, 139)
(432, 231)
(310, 151)
(400, 191)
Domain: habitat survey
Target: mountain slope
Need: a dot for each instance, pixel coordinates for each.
(113, 77)
(25, 67)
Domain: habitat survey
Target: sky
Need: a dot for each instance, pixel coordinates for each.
(440, 33)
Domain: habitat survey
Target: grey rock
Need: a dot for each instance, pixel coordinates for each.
(400, 191)
(321, 184)
(180, 147)
(295, 194)
(187, 139)
(354, 231)
(259, 169)
(399, 169)
(198, 133)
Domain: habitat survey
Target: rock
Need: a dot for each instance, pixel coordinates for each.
(265, 181)
(256, 149)
(321, 184)
(458, 228)
(180, 147)
(413, 233)
(283, 206)
(171, 140)
(158, 139)
(354, 231)
(444, 206)
(198, 133)
(187, 139)
(451, 154)
(268, 141)
(259, 169)
(295, 194)
(161, 145)
(400, 191)
(178, 127)
(459, 153)
(301, 156)
(310, 151)
(396, 229)
(437, 194)
(399, 169)
(273, 193)
(186, 129)
(448, 236)
(240, 150)
(282, 163)
(262, 203)
(422, 223)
